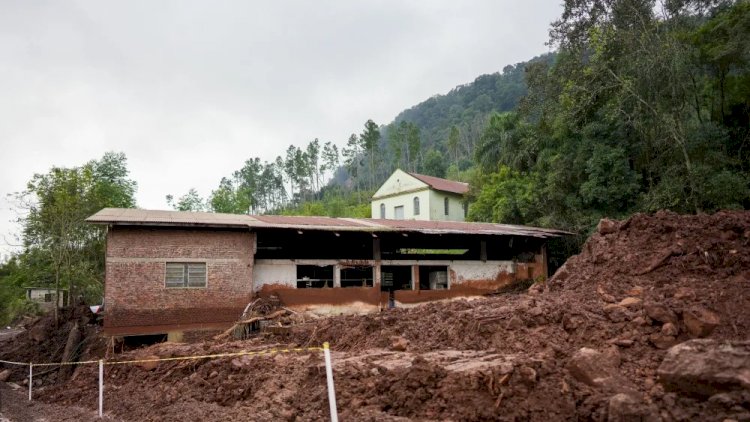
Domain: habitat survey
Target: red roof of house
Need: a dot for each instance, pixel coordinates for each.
(443, 185)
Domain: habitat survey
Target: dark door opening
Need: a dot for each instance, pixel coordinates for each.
(356, 277)
(313, 276)
(393, 277)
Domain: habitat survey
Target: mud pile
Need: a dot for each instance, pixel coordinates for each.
(44, 341)
(614, 335)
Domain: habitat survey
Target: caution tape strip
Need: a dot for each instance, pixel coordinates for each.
(218, 355)
(14, 363)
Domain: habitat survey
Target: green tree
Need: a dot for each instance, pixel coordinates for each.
(369, 140)
(55, 234)
(191, 201)
(434, 164)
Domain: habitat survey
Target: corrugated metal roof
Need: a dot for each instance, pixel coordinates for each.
(306, 221)
(120, 216)
(443, 185)
(168, 218)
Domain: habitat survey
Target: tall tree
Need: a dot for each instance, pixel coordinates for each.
(56, 205)
(370, 139)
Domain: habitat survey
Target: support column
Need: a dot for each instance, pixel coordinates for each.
(337, 275)
(415, 277)
(376, 249)
(376, 275)
(483, 251)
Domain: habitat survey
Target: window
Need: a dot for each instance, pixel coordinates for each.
(446, 205)
(416, 205)
(185, 274)
(382, 211)
(398, 212)
(466, 209)
(48, 297)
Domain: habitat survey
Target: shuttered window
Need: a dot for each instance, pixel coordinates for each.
(416, 205)
(185, 274)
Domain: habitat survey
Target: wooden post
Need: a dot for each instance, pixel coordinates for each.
(415, 277)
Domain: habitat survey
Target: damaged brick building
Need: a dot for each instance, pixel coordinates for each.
(170, 272)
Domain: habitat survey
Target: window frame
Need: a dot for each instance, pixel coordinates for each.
(185, 275)
(446, 205)
(382, 211)
(416, 205)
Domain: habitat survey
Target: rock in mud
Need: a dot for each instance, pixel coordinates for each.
(662, 341)
(628, 408)
(607, 226)
(705, 367)
(630, 302)
(591, 367)
(399, 344)
(151, 364)
(660, 312)
(616, 313)
(699, 321)
(669, 329)
(4, 375)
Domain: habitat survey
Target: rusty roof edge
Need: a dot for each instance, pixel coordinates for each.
(166, 219)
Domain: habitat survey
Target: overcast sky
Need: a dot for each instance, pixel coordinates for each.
(188, 90)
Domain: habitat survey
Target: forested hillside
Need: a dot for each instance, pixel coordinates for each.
(435, 137)
(646, 108)
(641, 108)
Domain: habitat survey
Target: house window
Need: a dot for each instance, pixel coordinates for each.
(446, 204)
(382, 211)
(398, 212)
(416, 205)
(185, 274)
(48, 297)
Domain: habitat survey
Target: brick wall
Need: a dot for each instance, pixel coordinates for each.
(135, 295)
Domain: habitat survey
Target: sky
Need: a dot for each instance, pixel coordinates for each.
(189, 90)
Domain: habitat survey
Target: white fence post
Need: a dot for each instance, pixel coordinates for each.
(31, 377)
(329, 379)
(101, 388)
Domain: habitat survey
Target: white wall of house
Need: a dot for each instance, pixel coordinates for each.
(398, 182)
(400, 190)
(281, 272)
(477, 270)
(437, 206)
(407, 201)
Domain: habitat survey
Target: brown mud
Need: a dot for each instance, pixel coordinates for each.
(586, 345)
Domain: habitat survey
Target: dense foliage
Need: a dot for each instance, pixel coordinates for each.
(60, 250)
(645, 108)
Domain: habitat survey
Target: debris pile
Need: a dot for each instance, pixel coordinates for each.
(650, 322)
(74, 337)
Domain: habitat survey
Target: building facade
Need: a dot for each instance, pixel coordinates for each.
(412, 196)
(169, 272)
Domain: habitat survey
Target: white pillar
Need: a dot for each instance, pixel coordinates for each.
(329, 381)
(101, 388)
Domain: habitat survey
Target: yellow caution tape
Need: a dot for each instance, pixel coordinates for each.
(219, 355)
(14, 363)
(83, 362)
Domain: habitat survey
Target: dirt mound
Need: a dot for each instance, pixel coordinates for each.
(44, 341)
(588, 344)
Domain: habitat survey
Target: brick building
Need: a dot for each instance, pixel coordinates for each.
(170, 272)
